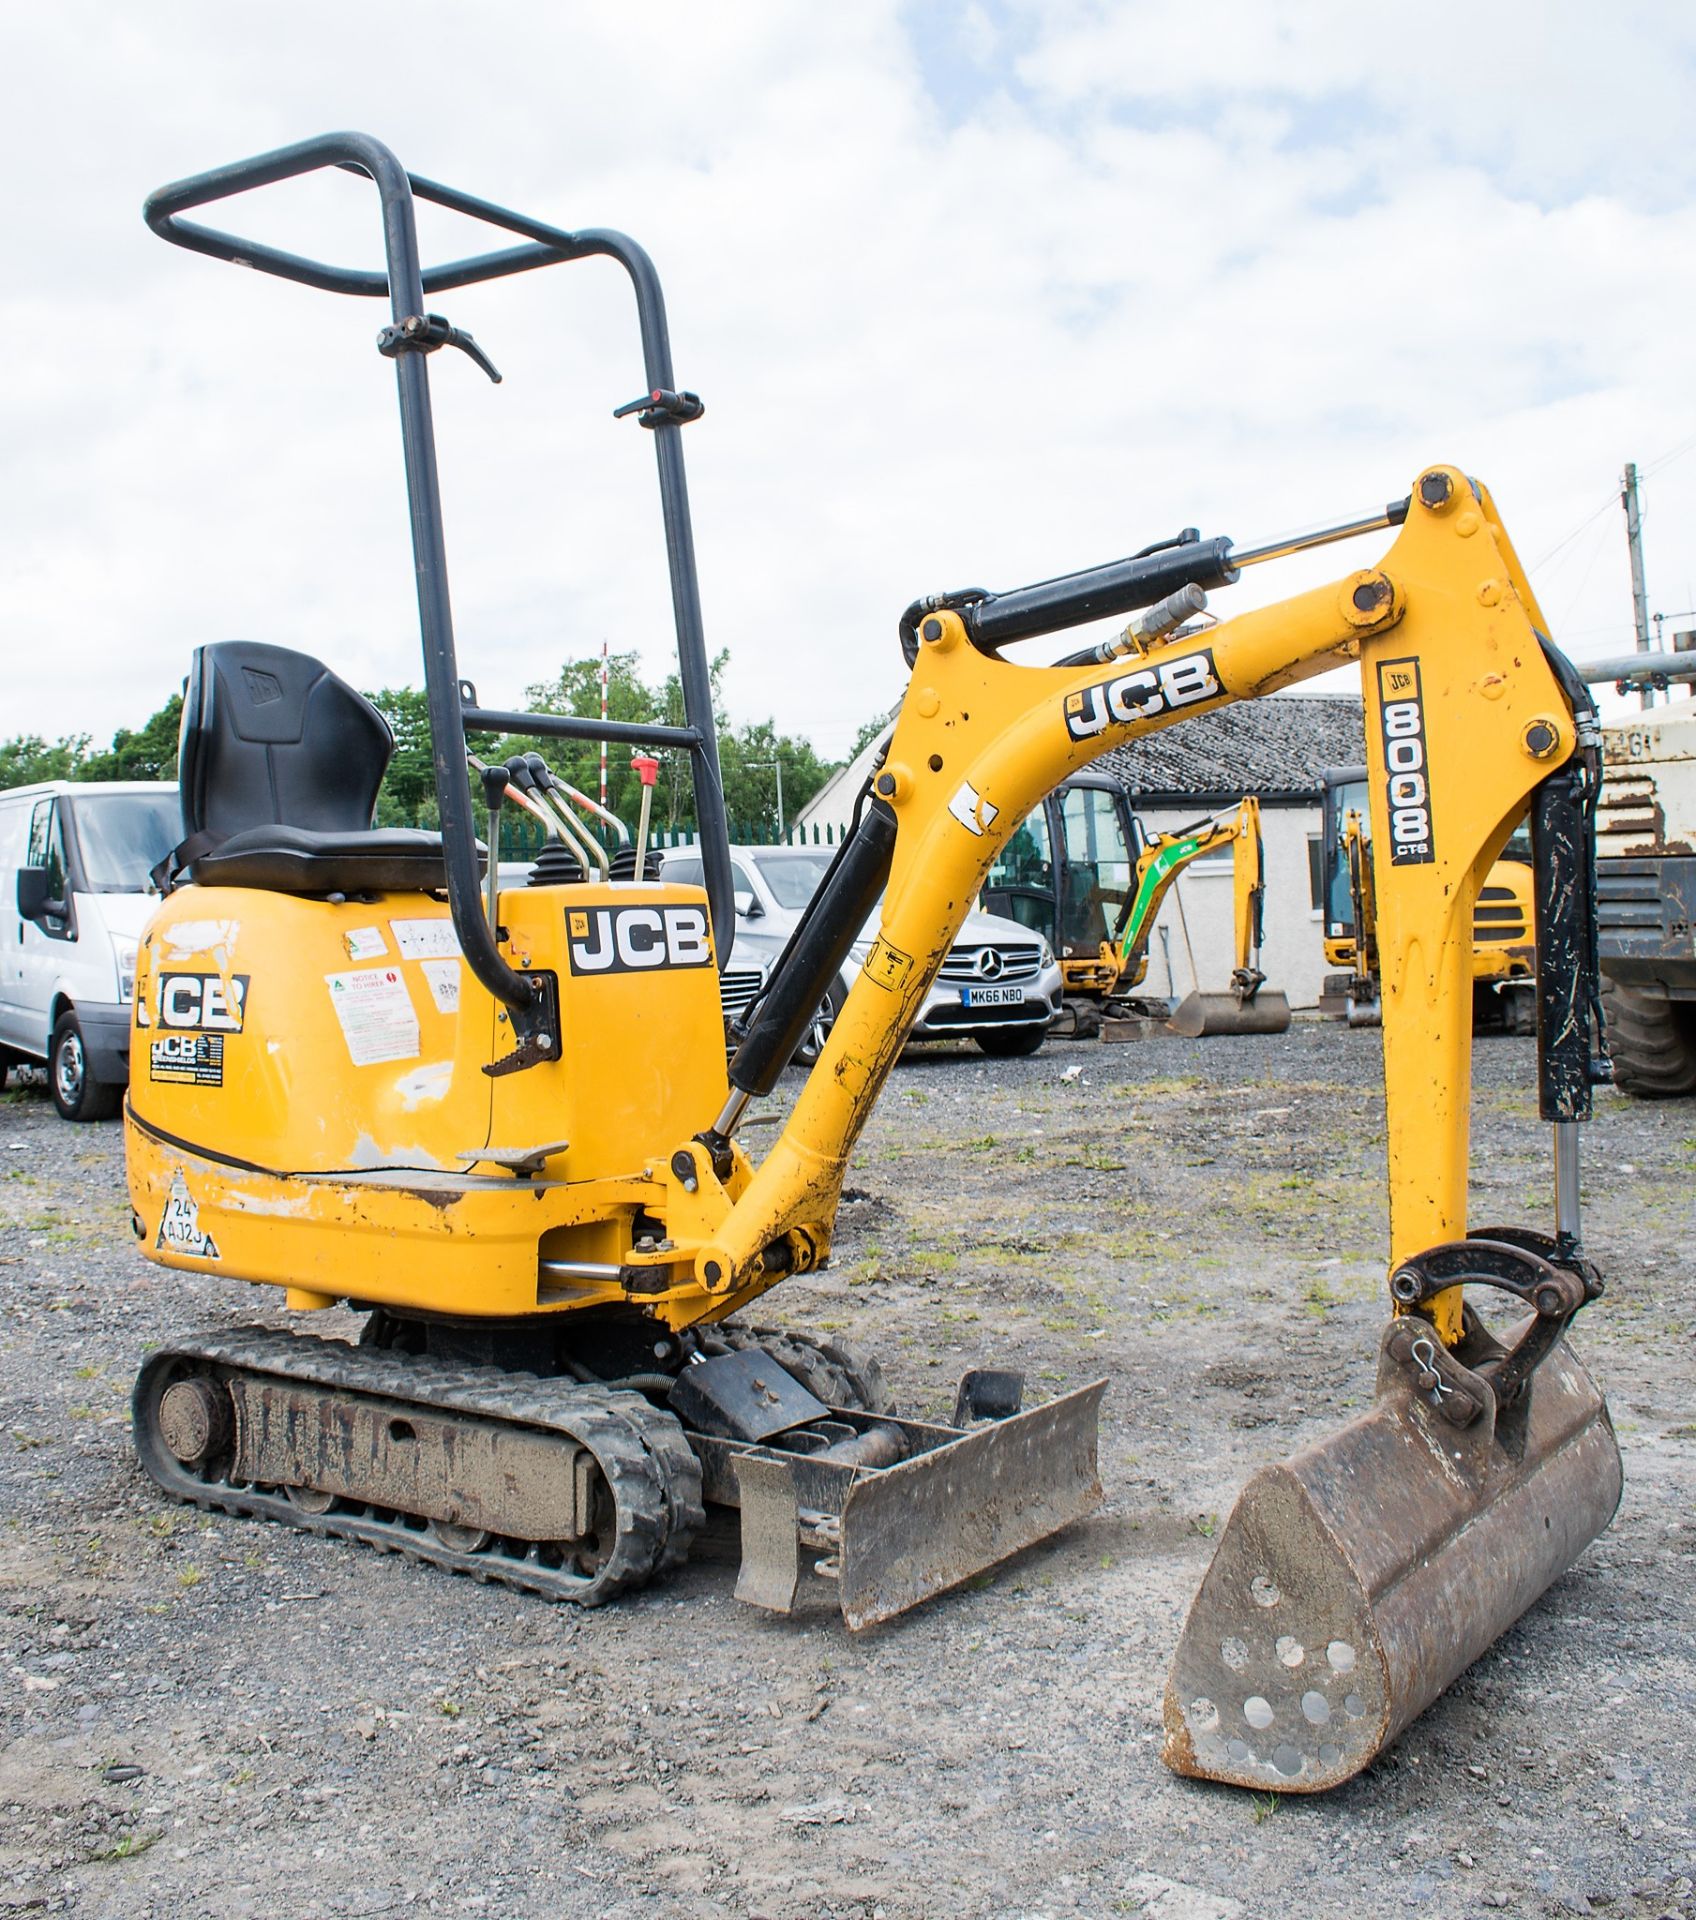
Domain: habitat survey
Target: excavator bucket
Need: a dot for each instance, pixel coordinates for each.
(1200, 1014)
(1356, 1580)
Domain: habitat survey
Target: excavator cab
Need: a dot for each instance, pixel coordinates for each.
(1069, 872)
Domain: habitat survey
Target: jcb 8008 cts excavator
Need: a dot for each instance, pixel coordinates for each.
(501, 1122)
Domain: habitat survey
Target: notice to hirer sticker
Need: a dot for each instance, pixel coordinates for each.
(425, 939)
(375, 1010)
(442, 978)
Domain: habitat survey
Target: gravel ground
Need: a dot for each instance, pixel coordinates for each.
(212, 1717)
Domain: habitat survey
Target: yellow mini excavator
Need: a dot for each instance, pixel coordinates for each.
(1083, 855)
(498, 1118)
(1504, 953)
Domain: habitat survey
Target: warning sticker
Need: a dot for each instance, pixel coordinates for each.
(187, 1059)
(888, 966)
(365, 943)
(180, 1230)
(375, 1010)
(442, 978)
(972, 810)
(425, 939)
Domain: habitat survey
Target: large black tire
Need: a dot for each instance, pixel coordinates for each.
(76, 1092)
(1011, 1043)
(1653, 1042)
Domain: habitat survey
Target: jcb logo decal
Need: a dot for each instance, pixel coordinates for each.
(637, 939)
(203, 1002)
(1141, 694)
(1407, 786)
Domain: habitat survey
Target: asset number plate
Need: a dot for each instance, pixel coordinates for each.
(993, 996)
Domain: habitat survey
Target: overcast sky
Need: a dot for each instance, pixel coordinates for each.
(975, 294)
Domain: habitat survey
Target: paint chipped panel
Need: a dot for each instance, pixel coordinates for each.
(184, 939)
(1648, 799)
(428, 1085)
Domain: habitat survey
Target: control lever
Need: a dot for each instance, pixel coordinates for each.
(495, 781)
(424, 333)
(662, 407)
(548, 785)
(647, 770)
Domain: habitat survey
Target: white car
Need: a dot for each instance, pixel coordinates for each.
(75, 861)
(1000, 984)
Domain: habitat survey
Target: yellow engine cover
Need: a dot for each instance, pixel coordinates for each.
(308, 1096)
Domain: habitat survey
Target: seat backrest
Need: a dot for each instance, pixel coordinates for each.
(274, 738)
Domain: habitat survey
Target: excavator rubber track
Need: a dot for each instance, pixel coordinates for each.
(255, 1391)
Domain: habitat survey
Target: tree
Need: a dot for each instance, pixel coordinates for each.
(748, 760)
(28, 758)
(150, 753)
(746, 754)
(869, 731)
(408, 794)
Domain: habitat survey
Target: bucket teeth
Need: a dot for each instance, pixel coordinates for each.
(1356, 1580)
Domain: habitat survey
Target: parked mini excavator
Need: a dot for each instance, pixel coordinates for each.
(1504, 952)
(1083, 870)
(500, 1122)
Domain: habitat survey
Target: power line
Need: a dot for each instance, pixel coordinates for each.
(1647, 468)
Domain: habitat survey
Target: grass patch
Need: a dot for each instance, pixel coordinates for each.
(130, 1845)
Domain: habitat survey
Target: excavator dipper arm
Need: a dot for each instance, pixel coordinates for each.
(1465, 716)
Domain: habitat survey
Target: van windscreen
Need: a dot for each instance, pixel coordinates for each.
(123, 836)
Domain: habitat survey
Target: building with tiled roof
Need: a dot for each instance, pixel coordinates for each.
(1274, 748)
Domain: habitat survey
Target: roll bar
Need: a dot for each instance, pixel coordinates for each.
(412, 335)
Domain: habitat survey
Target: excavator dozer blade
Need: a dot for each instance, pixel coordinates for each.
(962, 1500)
(1357, 1579)
(1199, 1014)
(931, 1522)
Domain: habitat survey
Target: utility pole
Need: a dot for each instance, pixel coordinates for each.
(777, 765)
(603, 723)
(1639, 593)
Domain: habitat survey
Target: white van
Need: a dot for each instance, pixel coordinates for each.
(74, 897)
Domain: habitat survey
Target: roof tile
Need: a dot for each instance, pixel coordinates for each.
(1275, 748)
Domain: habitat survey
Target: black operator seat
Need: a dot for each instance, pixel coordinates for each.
(279, 764)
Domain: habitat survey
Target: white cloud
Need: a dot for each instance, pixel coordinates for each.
(973, 295)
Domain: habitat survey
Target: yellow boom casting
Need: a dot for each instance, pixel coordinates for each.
(502, 1122)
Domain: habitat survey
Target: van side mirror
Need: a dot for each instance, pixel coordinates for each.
(33, 900)
(748, 906)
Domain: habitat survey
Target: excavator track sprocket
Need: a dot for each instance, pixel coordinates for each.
(568, 1490)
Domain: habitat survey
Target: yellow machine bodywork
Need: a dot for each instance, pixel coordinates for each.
(307, 1076)
(1443, 628)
